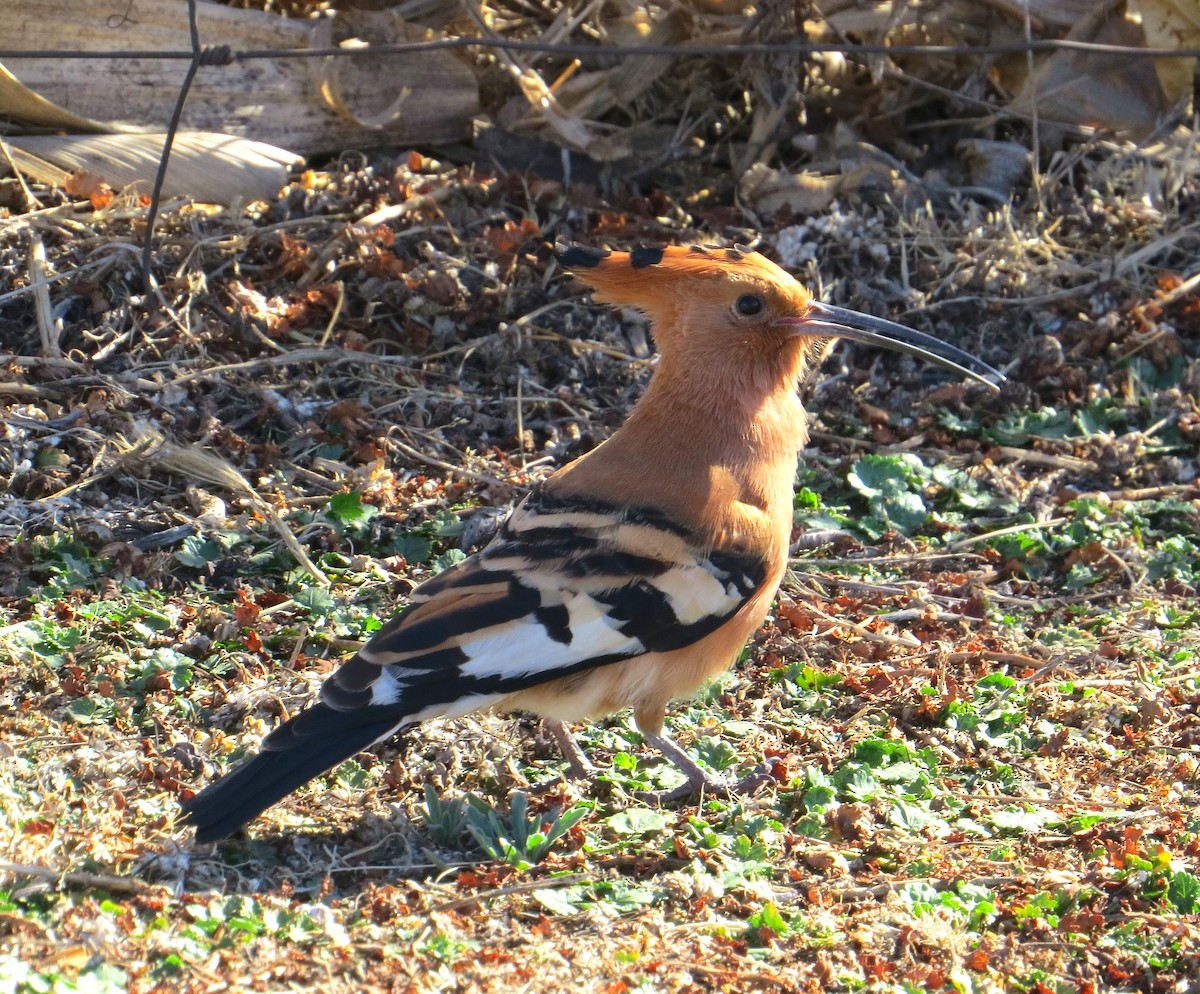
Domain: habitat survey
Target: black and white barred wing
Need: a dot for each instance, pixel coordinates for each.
(566, 586)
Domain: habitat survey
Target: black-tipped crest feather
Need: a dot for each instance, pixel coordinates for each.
(580, 256)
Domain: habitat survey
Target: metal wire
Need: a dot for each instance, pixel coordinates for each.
(200, 56)
(576, 49)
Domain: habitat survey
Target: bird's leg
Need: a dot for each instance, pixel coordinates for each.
(699, 780)
(579, 766)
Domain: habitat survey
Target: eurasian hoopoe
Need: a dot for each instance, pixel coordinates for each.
(632, 575)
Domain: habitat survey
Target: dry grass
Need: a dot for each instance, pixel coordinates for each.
(1009, 738)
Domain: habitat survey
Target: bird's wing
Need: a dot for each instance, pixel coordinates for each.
(567, 585)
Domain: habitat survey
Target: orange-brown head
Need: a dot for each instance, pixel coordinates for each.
(734, 306)
(701, 301)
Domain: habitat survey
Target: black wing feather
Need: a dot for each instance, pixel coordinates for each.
(567, 585)
(312, 742)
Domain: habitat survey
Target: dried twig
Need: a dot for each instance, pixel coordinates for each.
(966, 543)
(49, 327)
(195, 464)
(80, 878)
(905, 640)
(543, 883)
(417, 454)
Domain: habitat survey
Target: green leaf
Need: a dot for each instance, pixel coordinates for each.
(637, 821)
(1019, 545)
(739, 729)
(770, 918)
(859, 784)
(348, 508)
(913, 818)
(807, 500)
(1029, 821)
(909, 774)
(166, 660)
(715, 753)
(445, 817)
(1154, 378)
(820, 794)
(447, 559)
(317, 599)
(1046, 422)
(907, 511)
(625, 761)
(880, 752)
(414, 547)
(517, 839)
(198, 552)
(876, 475)
(87, 711)
(1184, 892)
(952, 422)
(804, 676)
(892, 485)
(558, 902)
(447, 525)
(51, 458)
(622, 896)
(351, 774)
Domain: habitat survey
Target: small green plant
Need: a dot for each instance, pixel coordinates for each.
(637, 822)
(227, 921)
(445, 817)
(717, 754)
(519, 839)
(803, 677)
(50, 642)
(892, 487)
(351, 774)
(1044, 907)
(1183, 892)
(164, 667)
(628, 772)
(63, 565)
(198, 552)
(902, 493)
(445, 948)
(1152, 874)
(617, 895)
(995, 715)
(768, 923)
(348, 509)
(967, 904)
(1021, 819)
(316, 599)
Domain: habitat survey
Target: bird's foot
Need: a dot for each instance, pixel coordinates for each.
(699, 780)
(579, 767)
(712, 786)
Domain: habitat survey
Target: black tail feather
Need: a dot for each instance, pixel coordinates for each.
(306, 746)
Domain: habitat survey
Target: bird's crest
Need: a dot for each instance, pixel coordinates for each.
(640, 276)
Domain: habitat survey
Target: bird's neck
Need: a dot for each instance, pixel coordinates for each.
(716, 451)
(704, 417)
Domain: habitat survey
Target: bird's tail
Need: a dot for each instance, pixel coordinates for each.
(307, 745)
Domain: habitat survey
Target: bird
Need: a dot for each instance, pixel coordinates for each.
(632, 575)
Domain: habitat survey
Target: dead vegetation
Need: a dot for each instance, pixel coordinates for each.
(978, 694)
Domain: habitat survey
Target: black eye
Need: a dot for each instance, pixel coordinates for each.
(748, 305)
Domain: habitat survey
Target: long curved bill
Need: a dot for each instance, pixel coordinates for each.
(841, 322)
